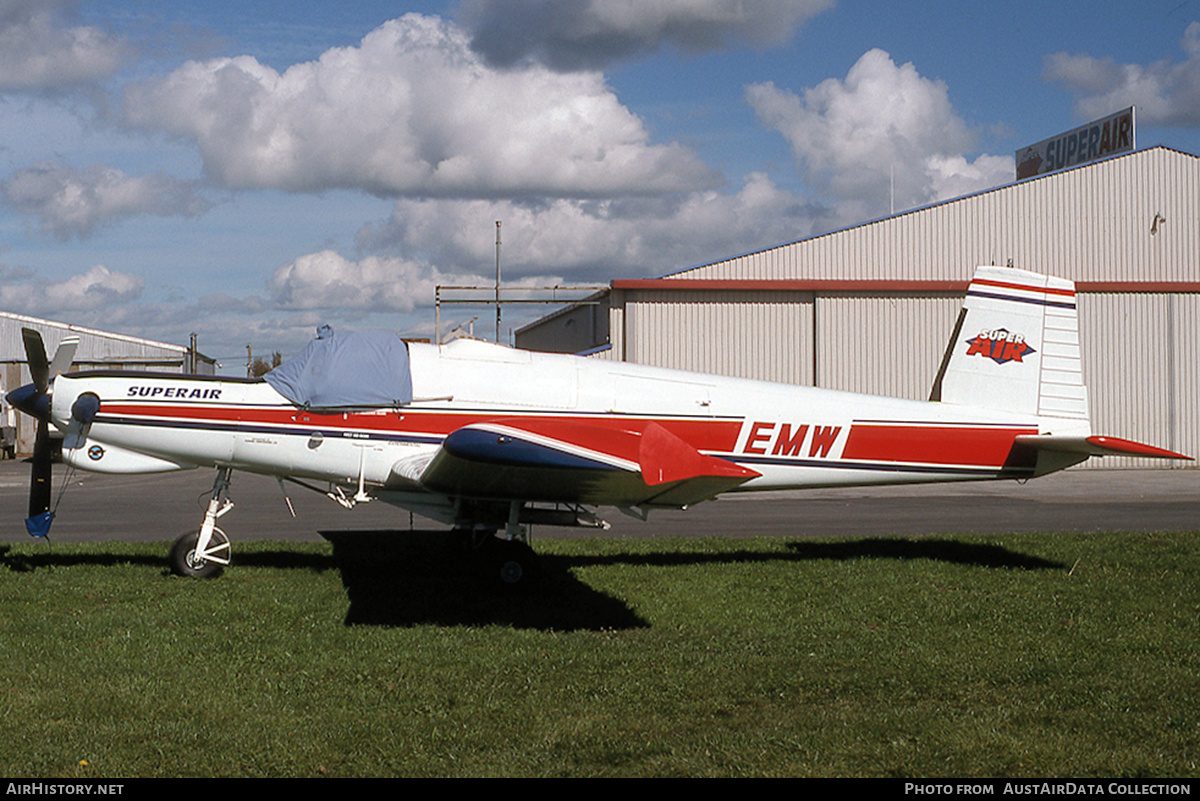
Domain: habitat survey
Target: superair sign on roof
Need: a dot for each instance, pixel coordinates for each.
(1096, 140)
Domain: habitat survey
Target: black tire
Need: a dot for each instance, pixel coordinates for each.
(513, 565)
(183, 556)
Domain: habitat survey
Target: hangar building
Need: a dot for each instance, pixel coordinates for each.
(870, 308)
(98, 350)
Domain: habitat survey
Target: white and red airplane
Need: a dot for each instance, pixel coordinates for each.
(490, 439)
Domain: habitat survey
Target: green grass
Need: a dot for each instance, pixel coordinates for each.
(1024, 655)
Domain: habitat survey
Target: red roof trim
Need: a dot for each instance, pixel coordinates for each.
(1137, 286)
(789, 284)
(875, 285)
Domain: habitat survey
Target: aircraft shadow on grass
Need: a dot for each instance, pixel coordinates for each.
(29, 562)
(397, 580)
(938, 549)
(413, 578)
(934, 549)
(409, 578)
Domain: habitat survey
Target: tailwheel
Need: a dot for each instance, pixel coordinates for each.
(185, 561)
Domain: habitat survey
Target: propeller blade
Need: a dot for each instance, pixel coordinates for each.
(40, 482)
(63, 356)
(35, 354)
(35, 400)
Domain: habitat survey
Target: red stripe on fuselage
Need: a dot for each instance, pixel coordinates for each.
(943, 445)
(584, 430)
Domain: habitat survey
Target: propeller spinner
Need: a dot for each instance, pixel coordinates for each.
(34, 400)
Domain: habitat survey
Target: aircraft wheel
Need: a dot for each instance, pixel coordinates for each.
(183, 559)
(514, 564)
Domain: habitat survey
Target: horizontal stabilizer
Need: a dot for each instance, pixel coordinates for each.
(1097, 446)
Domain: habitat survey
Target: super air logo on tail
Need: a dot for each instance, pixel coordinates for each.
(1001, 346)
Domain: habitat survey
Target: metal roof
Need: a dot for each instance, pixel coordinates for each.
(95, 346)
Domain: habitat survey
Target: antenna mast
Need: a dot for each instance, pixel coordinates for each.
(497, 282)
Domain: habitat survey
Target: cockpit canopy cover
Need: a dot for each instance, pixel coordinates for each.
(356, 368)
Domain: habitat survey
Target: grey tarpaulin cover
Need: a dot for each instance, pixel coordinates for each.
(357, 368)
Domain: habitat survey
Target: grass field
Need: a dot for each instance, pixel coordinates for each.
(1024, 655)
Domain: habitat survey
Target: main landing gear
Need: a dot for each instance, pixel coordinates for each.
(512, 564)
(205, 553)
(504, 557)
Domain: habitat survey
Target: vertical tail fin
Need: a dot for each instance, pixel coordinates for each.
(1016, 347)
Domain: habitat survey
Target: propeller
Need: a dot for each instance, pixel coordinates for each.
(35, 400)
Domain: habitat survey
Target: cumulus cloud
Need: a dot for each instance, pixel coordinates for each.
(577, 239)
(554, 242)
(96, 289)
(1165, 92)
(71, 203)
(110, 300)
(40, 50)
(955, 176)
(328, 280)
(883, 123)
(113, 301)
(411, 111)
(596, 33)
(453, 242)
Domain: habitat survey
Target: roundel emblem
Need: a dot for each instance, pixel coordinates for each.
(95, 453)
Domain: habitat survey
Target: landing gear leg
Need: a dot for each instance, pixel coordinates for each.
(205, 553)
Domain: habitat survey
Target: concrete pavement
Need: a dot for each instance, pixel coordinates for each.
(161, 507)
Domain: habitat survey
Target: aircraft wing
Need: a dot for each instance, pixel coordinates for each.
(568, 461)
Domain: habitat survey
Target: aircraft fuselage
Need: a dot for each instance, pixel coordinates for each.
(794, 437)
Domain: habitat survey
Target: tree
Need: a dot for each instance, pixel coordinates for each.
(259, 367)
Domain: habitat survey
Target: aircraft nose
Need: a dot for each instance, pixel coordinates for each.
(29, 400)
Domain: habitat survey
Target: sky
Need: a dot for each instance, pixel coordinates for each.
(249, 171)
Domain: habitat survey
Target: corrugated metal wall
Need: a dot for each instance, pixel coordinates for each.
(881, 344)
(1186, 315)
(765, 335)
(1140, 365)
(1092, 223)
